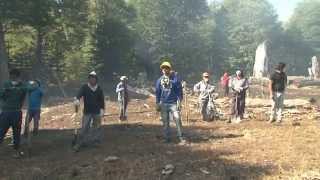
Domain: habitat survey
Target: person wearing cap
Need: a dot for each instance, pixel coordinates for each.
(34, 106)
(12, 96)
(123, 97)
(239, 86)
(168, 97)
(225, 84)
(204, 88)
(277, 87)
(93, 110)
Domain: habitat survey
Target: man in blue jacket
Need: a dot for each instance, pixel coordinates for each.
(168, 97)
(34, 106)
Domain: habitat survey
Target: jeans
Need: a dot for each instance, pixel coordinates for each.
(277, 106)
(34, 115)
(166, 110)
(96, 134)
(11, 119)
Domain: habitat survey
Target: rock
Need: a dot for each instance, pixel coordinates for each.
(168, 169)
(204, 171)
(111, 159)
(295, 123)
(312, 100)
(169, 152)
(261, 65)
(146, 106)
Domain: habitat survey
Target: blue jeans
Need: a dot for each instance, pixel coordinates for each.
(11, 119)
(33, 114)
(166, 110)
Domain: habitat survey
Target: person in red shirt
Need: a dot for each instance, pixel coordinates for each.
(225, 84)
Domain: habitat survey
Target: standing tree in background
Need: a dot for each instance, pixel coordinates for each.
(170, 28)
(8, 16)
(249, 23)
(305, 24)
(114, 40)
(40, 16)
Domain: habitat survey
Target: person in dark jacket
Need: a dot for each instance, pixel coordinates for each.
(168, 97)
(277, 87)
(93, 111)
(12, 96)
(34, 106)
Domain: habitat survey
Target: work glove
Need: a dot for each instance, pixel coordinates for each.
(158, 107)
(101, 112)
(76, 102)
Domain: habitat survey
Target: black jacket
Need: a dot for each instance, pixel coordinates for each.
(93, 100)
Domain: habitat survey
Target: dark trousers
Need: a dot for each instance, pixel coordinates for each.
(238, 105)
(123, 109)
(13, 120)
(203, 109)
(226, 91)
(34, 115)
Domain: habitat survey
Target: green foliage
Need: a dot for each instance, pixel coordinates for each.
(69, 38)
(249, 23)
(305, 23)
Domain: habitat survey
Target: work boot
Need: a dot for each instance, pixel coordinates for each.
(35, 132)
(271, 121)
(76, 148)
(18, 154)
(182, 142)
(279, 121)
(238, 120)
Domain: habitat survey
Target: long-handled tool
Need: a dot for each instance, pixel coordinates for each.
(28, 134)
(75, 119)
(27, 131)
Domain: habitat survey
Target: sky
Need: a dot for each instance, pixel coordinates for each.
(284, 8)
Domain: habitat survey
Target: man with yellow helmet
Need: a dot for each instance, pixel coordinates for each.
(168, 95)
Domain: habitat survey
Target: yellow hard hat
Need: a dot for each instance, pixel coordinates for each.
(165, 64)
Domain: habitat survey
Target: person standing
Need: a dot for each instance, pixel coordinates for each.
(239, 86)
(168, 97)
(225, 84)
(93, 110)
(34, 106)
(123, 97)
(277, 87)
(204, 88)
(12, 96)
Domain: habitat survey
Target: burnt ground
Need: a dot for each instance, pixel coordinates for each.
(253, 149)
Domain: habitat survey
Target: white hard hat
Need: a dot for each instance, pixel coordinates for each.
(238, 73)
(122, 78)
(93, 73)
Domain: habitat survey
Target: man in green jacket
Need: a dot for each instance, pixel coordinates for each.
(12, 96)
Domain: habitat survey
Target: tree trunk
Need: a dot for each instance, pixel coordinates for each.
(37, 69)
(4, 75)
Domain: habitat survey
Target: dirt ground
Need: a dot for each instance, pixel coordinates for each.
(253, 149)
